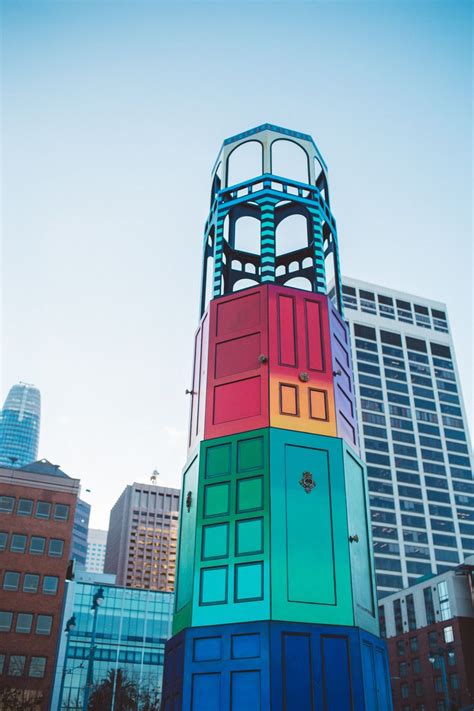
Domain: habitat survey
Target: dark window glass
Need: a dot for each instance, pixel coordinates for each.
(30, 582)
(43, 509)
(414, 644)
(5, 621)
(383, 626)
(18, 543)
(438, 350)
(416, 666)
(400, 648)
(61, 512)
(6, 504)
(410, 607)
(415, 344)
(55, 548)
(50, 584)
(429, 605)
(43, 624)
(392, 338)
(3, 540)
(418, 567)
(367, 295)
(397, 611)
(24, 620)
(11, 580)
(37, 545)
(365, 332)
(37, 667)
(16, 665)
(25, 507)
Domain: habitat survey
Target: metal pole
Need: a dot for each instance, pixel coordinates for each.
(90, 664)
(63, 675)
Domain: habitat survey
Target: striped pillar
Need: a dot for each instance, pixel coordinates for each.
(267, 233)
(318, 254)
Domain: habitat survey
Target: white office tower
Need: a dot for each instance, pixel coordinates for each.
(413, 433)
(96, 547)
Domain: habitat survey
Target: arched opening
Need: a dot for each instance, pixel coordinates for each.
(244, 284)
(308, 262)
(236, 265)
(250, 268)
(299, 283)
(208, 295)
(289, 160)
(294, 267)
(216, 181)
(280, 270)
(245, 162)
(225, 228)
(291, 234)
(247, 234)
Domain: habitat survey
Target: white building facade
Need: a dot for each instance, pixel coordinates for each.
(96, 547)
(413, 433)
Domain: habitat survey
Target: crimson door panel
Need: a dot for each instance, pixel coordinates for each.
(237, 391)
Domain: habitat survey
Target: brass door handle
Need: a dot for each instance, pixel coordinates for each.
(354, 538)
(307, 482)
(304, 377)
(262, 358)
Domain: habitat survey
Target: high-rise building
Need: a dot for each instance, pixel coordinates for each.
(79, 533)
(132, 627)
(413, 433)
(20, 426)
(142, 537)
(37, 504)
(430, 636)
(275, 603)
(96, 547)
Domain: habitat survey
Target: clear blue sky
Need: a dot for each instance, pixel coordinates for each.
(113, 113)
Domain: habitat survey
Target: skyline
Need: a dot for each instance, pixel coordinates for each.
(103, 201)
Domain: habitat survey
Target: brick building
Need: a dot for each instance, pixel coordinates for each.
(37, 506)
(142, 537)
(430, 637)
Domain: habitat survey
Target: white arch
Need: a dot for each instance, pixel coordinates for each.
(244, 284)
(247, 234)
(245, 162)
(299, 283)
(291, 233)
(289, 160)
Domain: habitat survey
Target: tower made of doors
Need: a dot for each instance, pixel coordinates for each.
(275, 603)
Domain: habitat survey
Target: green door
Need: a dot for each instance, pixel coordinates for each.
(310, 557)
(360, 544)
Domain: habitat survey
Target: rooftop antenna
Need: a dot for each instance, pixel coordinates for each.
(154, 476)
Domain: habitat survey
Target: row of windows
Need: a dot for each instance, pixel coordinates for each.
(37, 544)
(16, 665)
(25, 507)
(25, 622)
(31, 582)
(390, 309)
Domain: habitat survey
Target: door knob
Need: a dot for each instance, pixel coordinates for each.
(304, 377)
(354, 538)
(190, 392)
(262, 358)
(307, 482)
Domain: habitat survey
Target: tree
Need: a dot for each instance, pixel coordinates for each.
(118, 686)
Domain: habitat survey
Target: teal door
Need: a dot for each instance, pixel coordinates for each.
(310, 557)
(360, 544)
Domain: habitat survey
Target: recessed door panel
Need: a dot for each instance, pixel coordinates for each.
(343, 378)
(198, 389)
(237, 391)
(186, 542)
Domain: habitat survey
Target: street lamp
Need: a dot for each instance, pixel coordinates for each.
(70, 625)
(439, 653)
(97, 601)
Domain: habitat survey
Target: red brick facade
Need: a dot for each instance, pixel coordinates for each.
(416, 682)
(15, 645)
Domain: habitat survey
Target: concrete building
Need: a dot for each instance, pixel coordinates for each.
(37, 505)
(79, 533)
(142, 537)
(413, 433)
(132, 627)
(430, 635)
(96, 547)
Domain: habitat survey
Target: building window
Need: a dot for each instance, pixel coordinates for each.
(16, 665)
(438, 683)
(25, 507)
(454, 681)
(37, 667)
(432, 638)
(403, 668)
(3, 540)
(6, 504)
(61, 512)
(2, 663)
(383, 625)
(37, 545)
(413, 644)
(448, 635)
(5, 621)
(43, 509)
(405, 691)
(50, 584)
(24, 620)
(30, 582)
(444, 606)
(429, 606)
(11, 580)
(416, 666)
(410, 604)
(400, 648)
(18, 543)
(418, 688)
(55, 548)
(43, 624)
(397, 611)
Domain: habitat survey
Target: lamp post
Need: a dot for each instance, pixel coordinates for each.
(70, 625)
(97, 601)
(439, 653)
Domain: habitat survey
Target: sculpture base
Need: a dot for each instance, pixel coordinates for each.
(280, 666)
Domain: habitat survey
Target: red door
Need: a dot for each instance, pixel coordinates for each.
(237, 385)
(301, 380)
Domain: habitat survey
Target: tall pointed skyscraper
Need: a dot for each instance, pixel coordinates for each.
(20, 426)
(275, 604)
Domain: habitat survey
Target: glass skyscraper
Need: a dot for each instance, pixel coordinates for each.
(20, 426)
(413, 433)
(132, 628)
